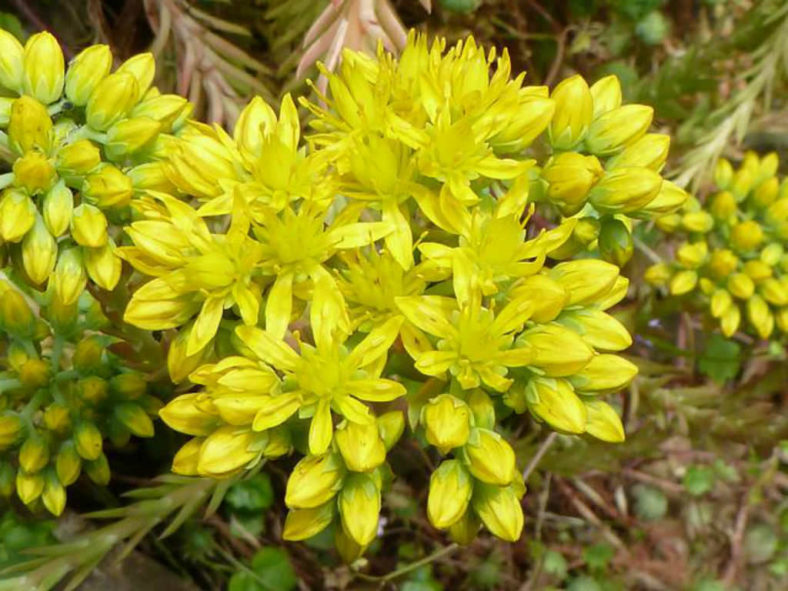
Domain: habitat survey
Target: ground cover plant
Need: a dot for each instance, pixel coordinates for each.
(336, 295)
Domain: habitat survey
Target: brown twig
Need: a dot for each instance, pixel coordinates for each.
(588, 514)
(737, 539)
(546, 445)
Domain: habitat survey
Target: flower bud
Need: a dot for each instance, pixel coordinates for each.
(668, 223)
(683, 282)
(98, 470)
(781, 317)
(16, 317)
(692, 255)
(557, 350)
(151, 176)
(89, 226)
(12, 68)
(615, 242)
(730, 320)
(625, 190)
(584, 280)
(168, 109)
(108, 187)
(500, 510)
(464, 530)
(723, 263)
(347, 548)
(490, 458)
(130, 136)
(10, 429)
(187, 457)
(757, 270)
(766, 193)
(606, 95)
(227, 449)
(29, 126)
(658, 274)
(302, 524)
(451, 488)
(746, 235)
(69, 280)
(615, 129)
(603, 422)
(44, 68)
(88, 354)
(29, 486)
(34, 172)
(574, 109)
(111, 100)
(570, 177)
(775, 291)
(604, 373)
(76, 160)
(17, 215)
(85, 72)
(650, 151)
(143, 67)
(721, 300)
(549, 296)
(526, 124)
(759, 316)
(39, 252)
(129, 385)
(741, 184)
(360, 446)
(597, 328)
(7, 472)
(87, 439)
(447, 422)
(772, 254)
(483, 409)
(723, 174)
(34, 373)
(741, 286)
(359, 508)
(555, 402)
(186, 415)
(669, 199)
(697, 221)
(57, 418)
(391, 426)
(314, 481)
(723, 205)
(54, 495)
(136, 420)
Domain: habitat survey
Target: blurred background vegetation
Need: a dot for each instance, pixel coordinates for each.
(695, 499)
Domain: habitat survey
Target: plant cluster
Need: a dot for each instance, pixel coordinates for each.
(733, 256)
(320, 290)
(82, 143)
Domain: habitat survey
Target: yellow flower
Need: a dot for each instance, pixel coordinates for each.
(447, 422)
(500, 510)
(328, 376)
(359, 508)
(451, 487)
(473, 343)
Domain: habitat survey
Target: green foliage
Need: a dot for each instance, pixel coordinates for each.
(721, 359)
(270, 570)
(650, 503)
(699, 480)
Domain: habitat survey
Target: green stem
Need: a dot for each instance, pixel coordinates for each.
(414, 565)
(57, 351)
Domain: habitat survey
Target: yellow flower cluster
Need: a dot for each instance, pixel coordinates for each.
(314, 288)
(83, 140)
(61, 394)
(734, 253)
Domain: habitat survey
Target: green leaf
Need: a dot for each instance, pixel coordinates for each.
(253, 494)
(555, 564)
(650, 503)
(584, 583)
(760, 543)
(598, 556)
(270, 571)
(698, 480)
(721, 359)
